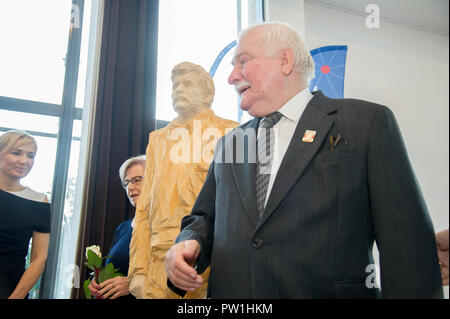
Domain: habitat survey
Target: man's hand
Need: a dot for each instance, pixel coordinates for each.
(178, 264)
(442, 245)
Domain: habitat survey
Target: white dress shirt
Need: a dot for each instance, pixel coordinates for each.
(284, 131)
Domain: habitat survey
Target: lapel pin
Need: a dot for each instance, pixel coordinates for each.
(309, 136)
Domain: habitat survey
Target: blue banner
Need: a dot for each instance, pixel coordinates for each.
(329, 70)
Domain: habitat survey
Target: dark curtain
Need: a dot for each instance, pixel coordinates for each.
(124, 116)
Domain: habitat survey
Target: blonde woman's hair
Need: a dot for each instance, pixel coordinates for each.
(128, 163)
(13, 137)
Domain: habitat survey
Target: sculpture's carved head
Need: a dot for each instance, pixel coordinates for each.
(192, 89)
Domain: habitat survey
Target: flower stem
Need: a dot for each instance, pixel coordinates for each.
(97, 272)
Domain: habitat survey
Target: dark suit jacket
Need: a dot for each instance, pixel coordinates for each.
(326, 209)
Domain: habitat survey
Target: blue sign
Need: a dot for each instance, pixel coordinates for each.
(219, 58)
(329, 70)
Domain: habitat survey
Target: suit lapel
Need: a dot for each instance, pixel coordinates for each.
(244, 177)
(299, 153)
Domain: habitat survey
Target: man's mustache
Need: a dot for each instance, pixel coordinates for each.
(241, 84)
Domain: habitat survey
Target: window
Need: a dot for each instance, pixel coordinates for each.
(197, 31)
(47, 61)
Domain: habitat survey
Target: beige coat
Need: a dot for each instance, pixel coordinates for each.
(178, 158)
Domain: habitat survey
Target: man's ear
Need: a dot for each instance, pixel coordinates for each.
(287, 61)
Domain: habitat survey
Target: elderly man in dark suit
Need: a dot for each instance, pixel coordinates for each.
(301, 223)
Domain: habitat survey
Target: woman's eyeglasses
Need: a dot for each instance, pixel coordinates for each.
(135, 180)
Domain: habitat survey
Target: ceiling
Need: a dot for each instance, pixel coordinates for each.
(426, 15)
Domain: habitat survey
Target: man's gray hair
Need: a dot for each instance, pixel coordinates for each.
(278, 36)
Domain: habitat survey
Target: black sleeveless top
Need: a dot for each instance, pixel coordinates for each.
(19, 217)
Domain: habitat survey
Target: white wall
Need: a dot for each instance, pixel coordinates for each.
(403, 68)
(286, 11)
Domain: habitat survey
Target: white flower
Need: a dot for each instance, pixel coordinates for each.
(95, 249)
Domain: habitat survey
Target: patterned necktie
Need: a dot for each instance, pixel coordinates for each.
(264, 159)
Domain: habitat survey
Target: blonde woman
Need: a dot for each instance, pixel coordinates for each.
(24, 214)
